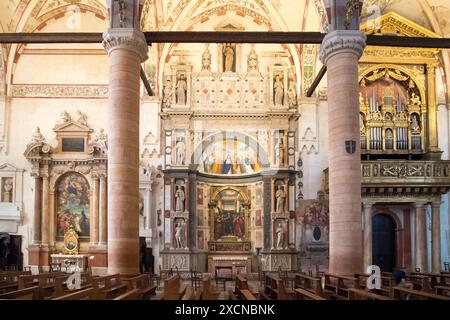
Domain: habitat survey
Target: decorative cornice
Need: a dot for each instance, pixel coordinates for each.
(126, 38)
(338, 41)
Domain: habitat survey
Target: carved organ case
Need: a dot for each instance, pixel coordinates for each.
(398, 109)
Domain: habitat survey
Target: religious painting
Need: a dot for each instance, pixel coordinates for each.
(312, 219)
(199, 217)
(72, 203)
(200, 196)
(229, 218)
(258, 220)
(200, 240)
(230, 157)
(7, 185)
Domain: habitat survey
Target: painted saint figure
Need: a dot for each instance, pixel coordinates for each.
(167, 94)
(206, 60)
(179, 202)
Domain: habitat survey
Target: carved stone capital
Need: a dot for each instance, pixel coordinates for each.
(339, 41)
(126, 38)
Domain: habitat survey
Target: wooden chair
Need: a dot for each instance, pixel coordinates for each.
(196, 279)
(288, 281)
(220, 281)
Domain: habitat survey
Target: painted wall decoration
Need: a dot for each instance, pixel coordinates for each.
(258, 220)
(230, 157)
(72, 205)
(200, 240)
(312, 221)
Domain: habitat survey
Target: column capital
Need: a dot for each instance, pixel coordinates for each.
(353, 41)
(128, 39)
(368, 205)
(436, 204)
(419, 204)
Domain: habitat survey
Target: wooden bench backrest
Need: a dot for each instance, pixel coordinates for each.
(85, 294)
(29, 293)
(418, 293)
(309, 283)
(209, 292)
(241, 282)
(134, 294)
(172, 287)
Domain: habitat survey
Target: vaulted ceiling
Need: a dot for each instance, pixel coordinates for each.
(180, 15)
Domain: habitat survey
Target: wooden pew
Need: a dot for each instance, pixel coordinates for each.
(133, 294)
(191, 294)
(387, 283)
(173, 288)
(245, 294)
(209, 292)
(109, 286)
(85, 294)
(30, 293)
(311, 284)
(420, 282)
(275, 289)
(143, 283)
(338, 286)
(442, 290)
(402, 293)
(303, 294)
(360, 294)
(61, 289)
(241, 284)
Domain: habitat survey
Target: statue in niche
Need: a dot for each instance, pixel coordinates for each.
(415, 99)
(37, 137)
(280, 199)
(179, 230)
(278, 89)
(7, 190)
(180, 150)
(167, 94)
(181, 90)
(228, 53)
(292, 95)
(280, 236)
(179, 199)
(279, 152)
(101, 140)
(82, 118)
(252, 61)
(415, 126)
(206, 60)
(65, 117)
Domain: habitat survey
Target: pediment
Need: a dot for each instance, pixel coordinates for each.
(6, 167)
(72, 126)
(229, 25)
(392, 23)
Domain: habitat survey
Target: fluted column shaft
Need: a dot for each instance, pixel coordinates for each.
(45, 230)
(37, 210)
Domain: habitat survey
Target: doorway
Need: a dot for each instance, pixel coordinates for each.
(383, 242)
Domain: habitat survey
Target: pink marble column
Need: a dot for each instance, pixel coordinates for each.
(367, 234)
(37, 210)
(127, 49)
(421, 238)
(436, 237)
(340, 52)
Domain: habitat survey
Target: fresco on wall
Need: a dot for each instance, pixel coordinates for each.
(72, 205)
(228, 157)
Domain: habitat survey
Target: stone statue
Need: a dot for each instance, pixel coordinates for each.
(7, 190)
(180, 151)
(181, 90)
(206, 60)
(167, 94)
(228, 53)
(280, 236)
(37, 137)
(101, 140)
(179, 235)
(415, 99)
(278, 89)
(82, 118)
(415, 127)
(280, 197)
(292, 95)
(279, 153)
(252, 61)
(65, 117)
(179, 200)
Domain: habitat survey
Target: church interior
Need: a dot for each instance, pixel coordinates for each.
(124, 175)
